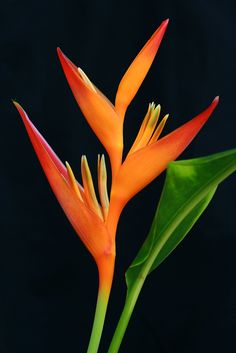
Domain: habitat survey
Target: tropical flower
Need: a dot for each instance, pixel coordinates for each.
(95, 221)
(148, 156)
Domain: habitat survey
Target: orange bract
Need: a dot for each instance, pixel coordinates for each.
(97, 109)
(142, 166)
(138, 70)
(91, 229)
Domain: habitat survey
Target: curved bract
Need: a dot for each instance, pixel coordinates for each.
(145, 164)
(97, 109)
(72, 197)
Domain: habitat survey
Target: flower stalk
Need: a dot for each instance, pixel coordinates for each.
(106, 271)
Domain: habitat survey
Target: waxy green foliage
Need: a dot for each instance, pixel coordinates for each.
(188, 189)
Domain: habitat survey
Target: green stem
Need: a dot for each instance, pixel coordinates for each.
(99, 318)
(106, 270)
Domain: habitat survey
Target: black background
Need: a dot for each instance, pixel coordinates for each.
(48, 279)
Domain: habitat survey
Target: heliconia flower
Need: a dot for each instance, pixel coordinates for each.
(95, 220)
(79, 203)
(105, 119)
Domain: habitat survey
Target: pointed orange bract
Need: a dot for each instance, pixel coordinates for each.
(138, 70)
(97, 109)
(144, 165)
(86, 223)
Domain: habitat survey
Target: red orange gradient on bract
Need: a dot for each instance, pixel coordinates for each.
(95, 218)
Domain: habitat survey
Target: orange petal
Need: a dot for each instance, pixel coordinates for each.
(141, 167)
(138, 70)
(87, 225)
(98, 111)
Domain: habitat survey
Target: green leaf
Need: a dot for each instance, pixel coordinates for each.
(188, 189)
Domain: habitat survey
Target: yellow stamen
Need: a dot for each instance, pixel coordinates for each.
(86, 79)
(73, 181)
(147, 127)
(90, 194)
(152, 122)
(159, 129)
(142, 129)
(145, 121)
(102, 185)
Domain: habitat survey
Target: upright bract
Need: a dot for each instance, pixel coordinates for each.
(138, 70)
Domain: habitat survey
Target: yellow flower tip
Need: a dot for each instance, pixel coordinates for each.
(155, 113)
(73, 181)
(14, 102)
(85, 171)
(151, 124)
(158, 108)
(84, 163)
(89, 190)
(102, 186)
(103, 170)
(158, 130)
(147, 128)
(86, 80)
(17, 105)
